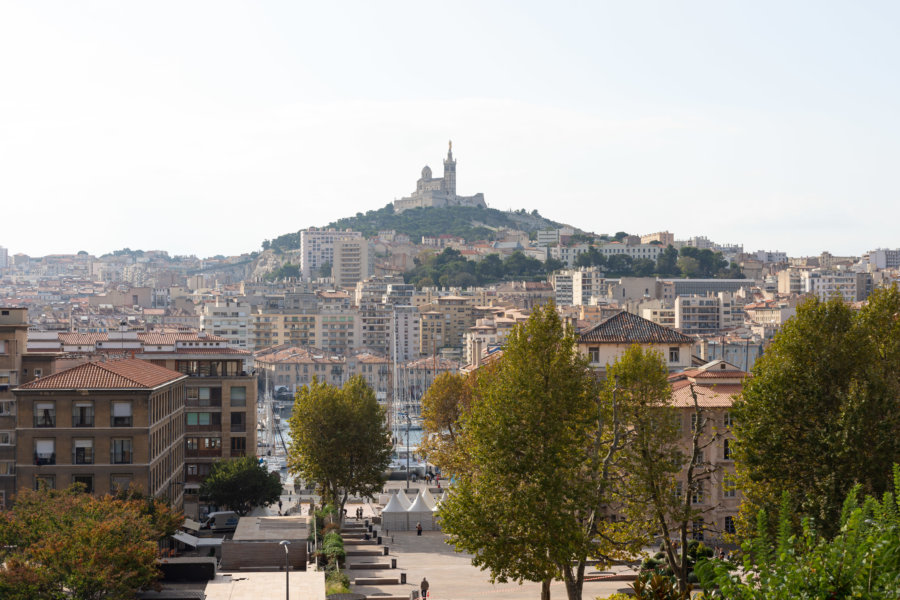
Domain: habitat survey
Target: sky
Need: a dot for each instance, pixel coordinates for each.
(206, 127)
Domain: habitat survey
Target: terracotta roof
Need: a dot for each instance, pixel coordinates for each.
(715, 396)
(183, 351)
(128, 373)
(626, 328)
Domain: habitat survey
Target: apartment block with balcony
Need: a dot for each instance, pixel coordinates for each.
(444, 323)
(229, 319)
(106, 425)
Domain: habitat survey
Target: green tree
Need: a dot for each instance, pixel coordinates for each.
(667, 262)
(241, 484)
(444, 407)
(619, 265)
(340, 440)
(862, 560)
(820, 412)
(530, 506)
(64, 544)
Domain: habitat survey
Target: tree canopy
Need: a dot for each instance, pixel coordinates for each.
(64, 544)
(529, 506)
(820, 412)
(340, 440)
(444, 406)
(241, 484)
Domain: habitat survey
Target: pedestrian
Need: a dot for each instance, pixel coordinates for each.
(279, 507)
(424, 587)
(418, 529)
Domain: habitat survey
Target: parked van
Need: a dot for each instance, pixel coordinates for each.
(225, 520)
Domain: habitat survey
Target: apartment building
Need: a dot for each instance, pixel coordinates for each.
(826, 284)
(405, 325)
(635, 251)
(276, 327)
(351, 261)
(294, 367)
(317, 249)
(229, 319)
(444, 323)
(705, 315)
(106, 425)
(568, 254)
(578, 287)
(664, 238)
(607, 341)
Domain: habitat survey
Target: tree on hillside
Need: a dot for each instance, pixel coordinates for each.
(340, 440)
(820, 412)
(64, 544)
(530, 506)
(667, 262)
(241, 484)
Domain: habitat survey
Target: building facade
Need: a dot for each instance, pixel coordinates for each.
(438, 191)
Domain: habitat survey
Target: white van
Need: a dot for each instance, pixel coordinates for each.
(225, 520)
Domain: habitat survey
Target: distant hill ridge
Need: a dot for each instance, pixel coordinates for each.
(468, 222)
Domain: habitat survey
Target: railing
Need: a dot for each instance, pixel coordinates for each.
(238, 427)
(45, 421)
(121, 458)
(82, 422)
(214, 452)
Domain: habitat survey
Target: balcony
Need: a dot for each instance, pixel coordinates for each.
(213, 453)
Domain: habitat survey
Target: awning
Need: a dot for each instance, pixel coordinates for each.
(191, 524)
(195, 542)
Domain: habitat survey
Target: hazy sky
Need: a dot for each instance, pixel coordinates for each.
(206, 127)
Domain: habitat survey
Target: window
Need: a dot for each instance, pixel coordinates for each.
(729, 525)
(239, 396)
(193, 444)
(729, 489)
(697, 493)
(697, 530)
(121, 414)
(212, 443)
(727, 449)
(83, 414)
(238, 422)
(7, 408)
(120, 481)
(121, 451)
(83, 452)
(44, 414)
(2, 346)
(594, 354)
(674, 354)
(44, 482)
(238, 446)
(695, 418)
(44, 452)
(86, 480)
(7, 438)
(7, 467)
(726, 420)
(202, 419)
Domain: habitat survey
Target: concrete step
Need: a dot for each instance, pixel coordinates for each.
(364, 553)
(369, 566)
(376, 581)
(360, 542)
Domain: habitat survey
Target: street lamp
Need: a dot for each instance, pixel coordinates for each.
(408, 422)
(287, 571)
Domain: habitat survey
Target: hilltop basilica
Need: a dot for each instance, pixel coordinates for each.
(433, 191)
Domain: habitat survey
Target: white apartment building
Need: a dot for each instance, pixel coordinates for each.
(705, 315)
(578, 287)
(229, 319)
(547, 237)
(825, 284)
(880, 259)
(405, 333)
(4, 258)
(766, 257)
(317, 249)
(648, 251)
(351, 261)
(568, 254)
(660, 316)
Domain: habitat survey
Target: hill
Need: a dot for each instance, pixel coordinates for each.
(469, 222)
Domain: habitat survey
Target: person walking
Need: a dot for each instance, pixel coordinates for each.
(418, 529)
(424, 587)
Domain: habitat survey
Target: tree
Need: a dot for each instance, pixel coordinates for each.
(240, 484)
(820, 412)
(529, 506)
(340, 440)
(619, 264)
(667, 262)
(861, 561)
(444, 406)
(64, 544)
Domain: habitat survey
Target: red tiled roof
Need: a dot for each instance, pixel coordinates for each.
(715, 396)
(128, 373)
(626, 328)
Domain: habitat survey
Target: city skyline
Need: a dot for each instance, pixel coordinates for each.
(768, 125)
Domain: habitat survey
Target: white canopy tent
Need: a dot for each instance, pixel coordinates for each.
(420, 512)
(394, 515)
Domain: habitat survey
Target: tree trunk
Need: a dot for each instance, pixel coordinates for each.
(574, 581)
(545, 589)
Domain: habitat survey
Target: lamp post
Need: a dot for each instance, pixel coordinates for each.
(408, 422)
(287, 571)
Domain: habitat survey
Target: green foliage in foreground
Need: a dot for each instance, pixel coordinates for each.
(861, 561)
(240, 484)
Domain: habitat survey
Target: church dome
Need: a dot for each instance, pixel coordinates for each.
(426, 172)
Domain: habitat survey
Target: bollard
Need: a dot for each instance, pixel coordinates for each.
(379, 540)
(393, 563)
(386, 550)
(366, 522)
(365, 536)
(369, 527)
(402, 577)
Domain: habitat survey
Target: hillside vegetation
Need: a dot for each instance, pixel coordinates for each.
(471, 223)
